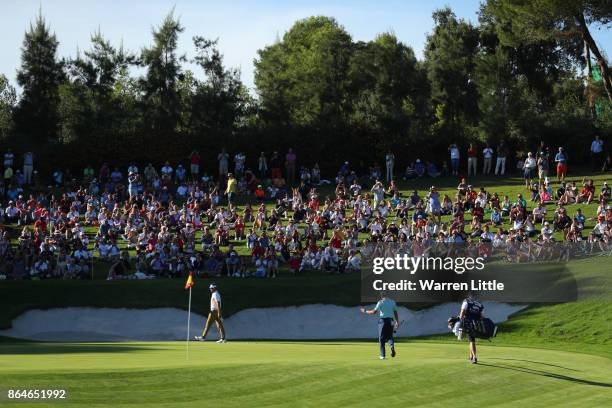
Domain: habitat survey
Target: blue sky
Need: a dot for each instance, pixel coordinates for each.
(242, 26)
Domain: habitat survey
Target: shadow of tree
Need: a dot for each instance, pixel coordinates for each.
(533, 362)
(548, 374)
(68, 348)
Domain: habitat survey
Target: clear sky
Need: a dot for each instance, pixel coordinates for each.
(242, 26)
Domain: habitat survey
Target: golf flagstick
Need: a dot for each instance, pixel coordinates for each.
(188, 321)
(188, 285)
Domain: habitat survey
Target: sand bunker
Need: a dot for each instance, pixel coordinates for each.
(296, 323)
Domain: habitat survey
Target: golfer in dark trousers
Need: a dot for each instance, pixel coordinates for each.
(388, 321)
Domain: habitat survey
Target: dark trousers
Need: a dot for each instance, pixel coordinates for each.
(597, 160)
(385, 334)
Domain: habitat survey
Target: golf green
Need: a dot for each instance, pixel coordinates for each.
(303, 374)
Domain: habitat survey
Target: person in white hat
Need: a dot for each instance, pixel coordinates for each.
(214, 315)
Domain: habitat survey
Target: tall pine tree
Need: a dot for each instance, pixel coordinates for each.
(8, 97)
(162, 100)
(39, 76)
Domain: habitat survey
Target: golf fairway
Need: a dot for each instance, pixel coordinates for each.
(302, 374)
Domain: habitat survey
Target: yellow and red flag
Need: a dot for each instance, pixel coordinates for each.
(190, 281)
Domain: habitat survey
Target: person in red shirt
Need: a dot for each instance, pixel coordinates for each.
(194, 161)
(314, 204)
(294, 262)
(152, 241)
(239, 228)
(478, 212)
(587, 192)
(41, 225)
(472, 160)
(257, 251)
(260, 193)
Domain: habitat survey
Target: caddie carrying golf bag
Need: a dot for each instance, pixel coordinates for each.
(483, 328)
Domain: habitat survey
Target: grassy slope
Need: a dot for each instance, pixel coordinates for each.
(306, 375)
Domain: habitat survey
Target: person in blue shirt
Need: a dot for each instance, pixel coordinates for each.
(561, 160)
(420, 168)
(388, 321)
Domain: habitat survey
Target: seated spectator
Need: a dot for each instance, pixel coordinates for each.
(587, 192)
(432, 170)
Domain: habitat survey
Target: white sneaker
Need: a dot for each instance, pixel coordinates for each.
(199, 338)
(221, 341)
(381, 357)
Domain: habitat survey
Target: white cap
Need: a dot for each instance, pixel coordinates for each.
(212, 286)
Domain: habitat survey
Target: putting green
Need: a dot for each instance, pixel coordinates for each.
(304, 374)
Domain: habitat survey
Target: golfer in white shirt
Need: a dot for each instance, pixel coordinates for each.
(214, 315)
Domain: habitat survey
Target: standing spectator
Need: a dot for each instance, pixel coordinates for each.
(239, 163)
(390, 162)
(500, 163)
(9, 157)
(542, 166)
(88, 174)
(194, 162)
(290, 159)
(529, 167)
(133, 168)
(607, 164)
(166, 173)
(378, 191)
(104, 173)
(8, 177)
(132, 184)
(262, 165)
(472, 160)
(58, 177)
(543, 151)
(223, 159)
(28, 167)
(150, 173)
(116, 176)
(487, 153)
(315, 174)
(454, 157)
(561, 160)
(275, 165)
(597, 153)
(180, 174)
(230, 190)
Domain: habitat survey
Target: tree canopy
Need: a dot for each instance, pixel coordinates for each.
(516, 74)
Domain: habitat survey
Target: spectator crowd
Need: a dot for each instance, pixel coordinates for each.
(242, 220)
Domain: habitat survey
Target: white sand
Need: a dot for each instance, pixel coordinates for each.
(301, 322)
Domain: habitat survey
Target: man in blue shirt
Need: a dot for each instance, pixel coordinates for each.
(561, 160)
(387, 322)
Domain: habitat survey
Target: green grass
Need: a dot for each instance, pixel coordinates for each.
(312, 374)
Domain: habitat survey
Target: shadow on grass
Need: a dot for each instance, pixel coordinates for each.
(549, 375)
(533, 362)
(67, 348)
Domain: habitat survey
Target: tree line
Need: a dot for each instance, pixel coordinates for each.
(526, 72)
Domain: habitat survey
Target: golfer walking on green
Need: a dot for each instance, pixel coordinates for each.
(214, 316)
(388, 321)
